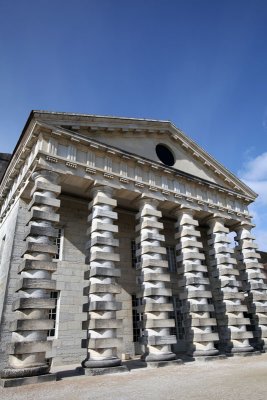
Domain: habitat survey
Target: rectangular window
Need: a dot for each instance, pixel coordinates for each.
(137, 318)
(171, 258)
(179, 330)
(53, 314)
(58, 241)
(135, 259)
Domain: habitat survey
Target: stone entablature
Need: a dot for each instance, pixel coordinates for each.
(72, 154)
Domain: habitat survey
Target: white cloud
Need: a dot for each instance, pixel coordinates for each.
(255, 169)
(254, 174)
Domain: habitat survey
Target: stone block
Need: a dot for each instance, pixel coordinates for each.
(105, 371)
(101, 213)
(36, 230)
(158, 340)
(29, 283)
(47, 187)
(104, 288)
(101, 226)
(32, 325)
(100, 199)
(156, 277)
(190, 255)
(43, 215)
(157, 292)
(193, 294)
(189, 243)
(191, 268)
(147, 211)
(104, 241)
(104, 343)
(34, 247)
(33, 303)
(149, 224)
(151, 249)
(203, 337)
(199, 322)
(197, 307)
(29, 264)
(103, 324)
(187, 232)
(104, 306)
(159, 364)
(155, 307)
(29, 347)
(102, 271)
(193, 280)
(152, 262)
(157, 323)
(30, 380)
(43, 200)
(150, 235)
(104, 255)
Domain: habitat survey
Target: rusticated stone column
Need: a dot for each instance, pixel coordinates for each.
(254, 283)
(103, 322)
(29, 331)
(155, 294)
(194, 284)
(227, 290)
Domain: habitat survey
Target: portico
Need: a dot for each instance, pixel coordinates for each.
(77, 173)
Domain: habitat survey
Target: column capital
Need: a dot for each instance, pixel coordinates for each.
(240, 225)
(184, 210)
(46, 175)
(147, 200)
(106, 190)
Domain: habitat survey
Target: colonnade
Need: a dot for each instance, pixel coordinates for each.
(223, 294)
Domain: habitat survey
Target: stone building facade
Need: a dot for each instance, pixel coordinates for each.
(116, 240)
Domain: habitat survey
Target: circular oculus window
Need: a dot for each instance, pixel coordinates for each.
(165, 155)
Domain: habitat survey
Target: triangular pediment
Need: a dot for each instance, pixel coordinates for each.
(140, 138)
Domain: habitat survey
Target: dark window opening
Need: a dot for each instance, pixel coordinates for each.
(165, 155)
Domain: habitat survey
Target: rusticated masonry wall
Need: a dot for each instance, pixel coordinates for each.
(12, 231)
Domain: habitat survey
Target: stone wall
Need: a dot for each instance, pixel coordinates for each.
(11, 231)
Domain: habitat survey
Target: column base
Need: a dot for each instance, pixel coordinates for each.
(27, 380)
(204, 353)
(244, 354)
(159, 364)
(239, 350)
(105, 363)
(158, 357)
(210, 358)
(105, 371)
(9, 373)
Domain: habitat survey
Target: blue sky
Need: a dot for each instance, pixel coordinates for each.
(200, 63)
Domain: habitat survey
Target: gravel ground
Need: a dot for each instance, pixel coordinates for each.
(238, 378)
